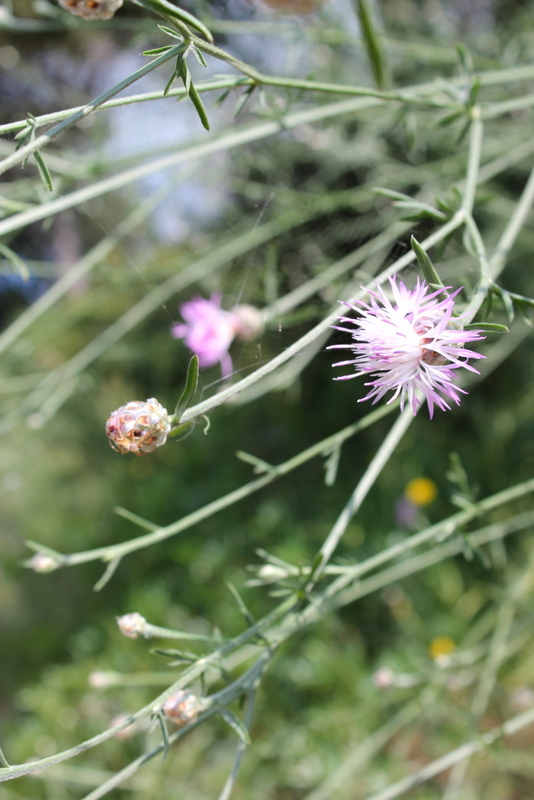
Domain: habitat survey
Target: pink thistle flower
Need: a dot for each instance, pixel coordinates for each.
(409, 345)
(209, 331)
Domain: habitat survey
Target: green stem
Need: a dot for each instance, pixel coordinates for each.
(111, 552)
(41, 141)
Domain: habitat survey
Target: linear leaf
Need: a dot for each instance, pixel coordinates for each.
(43, 171)
(235, 723)
(372, 42)
(191, 384)
(426, 265)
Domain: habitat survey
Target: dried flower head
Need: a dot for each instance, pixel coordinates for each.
(209, 330)
(92, 9)
(132, 625)
(181, 708)
(409, 345)
(138, 427)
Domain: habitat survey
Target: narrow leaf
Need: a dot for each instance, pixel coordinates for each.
(191, 384)
(108, 574)
(331, 465)
(182, 431)
(170, 32)
(522, 308)
(243, 100)
(164, 735)
(42, 548)
(241, 605)
(137, 520)
(259, 465)
(3, 760)
(488, 327)
(170, 82)
(235, 723)
(199, 56)
(425, 264)
(199, 105)
(43, 171)
(372, 42)
(157, 51)
(184, 72)
(465, 58)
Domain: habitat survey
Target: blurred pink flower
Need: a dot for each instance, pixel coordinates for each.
(411, 344)
(208, 330)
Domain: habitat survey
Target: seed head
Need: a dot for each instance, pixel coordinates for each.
(182, 707)
(138, 427)
(133, 625)
(91, 9)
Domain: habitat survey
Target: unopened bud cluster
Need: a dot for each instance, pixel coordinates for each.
(91, 9)
(133, 625)
(138, 427)
(181, 708)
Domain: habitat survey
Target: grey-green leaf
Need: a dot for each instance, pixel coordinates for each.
(191, 383)
(372, 42)
(425, 264)
(236, 724)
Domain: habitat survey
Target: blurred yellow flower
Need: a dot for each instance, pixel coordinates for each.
(421, 491)
(441, 646)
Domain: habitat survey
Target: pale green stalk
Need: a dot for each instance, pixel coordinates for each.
(498, 653)
(439, 531)
(227, 140)
(368, 749)
(292, 622)
(366, 482)
(41, 141)
(438, 766)
(111, 552)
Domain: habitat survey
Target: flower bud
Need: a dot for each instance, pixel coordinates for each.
(91, 9)
(383, 678)
(181, 708)
(41, 562)
(248, 322)
(99, 679)
(133, 625)
(138, 427)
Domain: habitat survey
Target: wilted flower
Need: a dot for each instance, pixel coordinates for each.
(182, 707)
(92, 9)
(132, 625)
(209, 330)
(138, 427)
(411, 345)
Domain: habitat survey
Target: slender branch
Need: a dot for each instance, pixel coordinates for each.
(111, 552)
(366, 482)
(41, 141)
(455, 756)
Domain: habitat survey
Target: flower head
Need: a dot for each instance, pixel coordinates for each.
(209, 330)
(92, 9)
(182, 707)
(138, 427)
(133, 625)
(409, 345)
